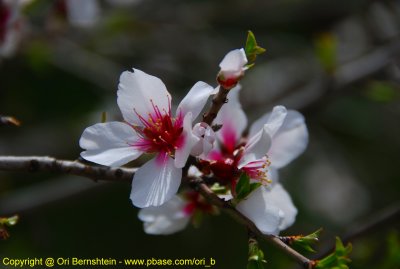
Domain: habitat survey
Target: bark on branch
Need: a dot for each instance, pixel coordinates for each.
(49, 164)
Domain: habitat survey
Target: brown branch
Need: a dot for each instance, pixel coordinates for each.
(217, 102)
(360, 229)
(49, 164)
(204, 190)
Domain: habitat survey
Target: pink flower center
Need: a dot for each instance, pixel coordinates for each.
(224, 166)
(5, 14)
(196, 202)
(160, 132)
(258, 170)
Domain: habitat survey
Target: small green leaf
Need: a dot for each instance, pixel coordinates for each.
(338, 259)
(218, 189)
(11, 221)
(256, 256)
(252, 49)
(307, 241)
(244, 187)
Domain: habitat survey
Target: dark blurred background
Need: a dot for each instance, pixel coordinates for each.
(335, 61)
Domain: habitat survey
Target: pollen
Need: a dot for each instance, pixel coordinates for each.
(258, 170)
(160, 132)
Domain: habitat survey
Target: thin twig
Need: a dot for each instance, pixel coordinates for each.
(204, 190)
(217, 102)
(49, 164)
(383, 218)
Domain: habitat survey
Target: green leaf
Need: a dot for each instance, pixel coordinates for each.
(244, 187)
(256, 256)
(11, 221)
(252, 49)
(338, 259)
(218, 189)
(307, 241)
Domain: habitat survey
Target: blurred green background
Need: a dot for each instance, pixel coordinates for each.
(338, 62)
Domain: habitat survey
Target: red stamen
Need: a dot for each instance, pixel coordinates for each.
(160, 132)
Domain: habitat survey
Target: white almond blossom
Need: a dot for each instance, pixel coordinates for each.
(166, 219)
(174, 215)
(274, 140)
(149, 127)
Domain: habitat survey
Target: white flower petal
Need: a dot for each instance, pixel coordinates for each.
(232, 118)
(206, 137)
(164, 225)
(165, 219)
(277, 196)
(195, 100)
(256, 148)
(193, 171)
(257, 208)
(290, 141)
(234, 61)
(273, 175)
(182, 153)
(138, 91)
(109, 143)
(155, 182)
(272, 120)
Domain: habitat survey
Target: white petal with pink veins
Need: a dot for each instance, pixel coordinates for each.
(141, 92)
(165, 219)
(195, 100)
(257, 208)
(155, 182)
(109, 143)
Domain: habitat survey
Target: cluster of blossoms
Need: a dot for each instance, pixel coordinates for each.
(223, 156)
